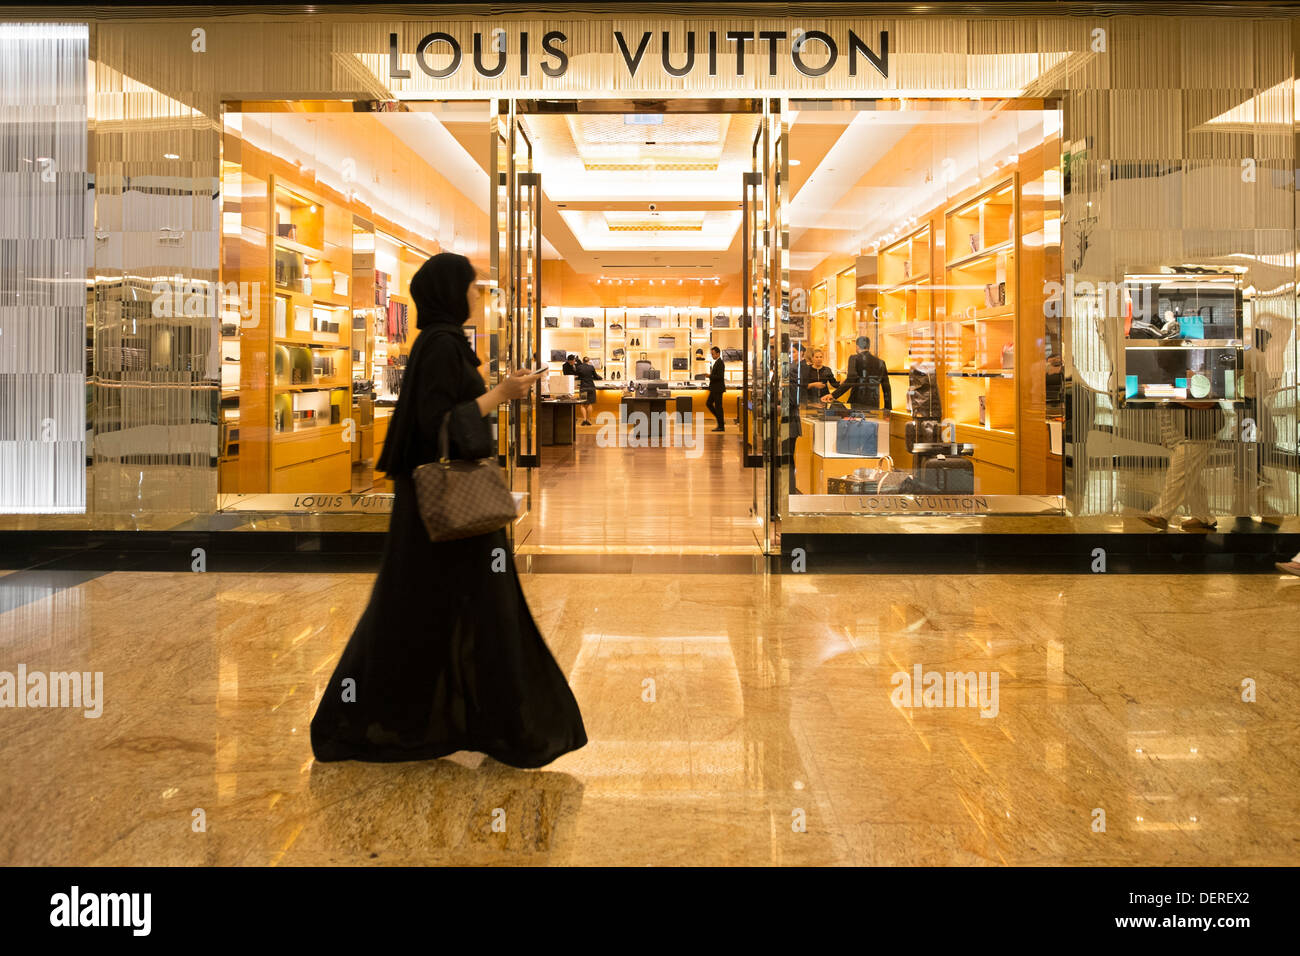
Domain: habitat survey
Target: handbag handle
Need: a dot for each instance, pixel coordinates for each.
(886, 462)
(444, 440)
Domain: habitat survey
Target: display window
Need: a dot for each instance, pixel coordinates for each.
(924, 366)
(1037, 270)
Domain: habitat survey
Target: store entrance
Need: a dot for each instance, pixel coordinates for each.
(631, 267)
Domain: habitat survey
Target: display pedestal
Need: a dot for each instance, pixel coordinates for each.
(556, 423)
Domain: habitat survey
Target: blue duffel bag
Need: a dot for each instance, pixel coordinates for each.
(856, 437)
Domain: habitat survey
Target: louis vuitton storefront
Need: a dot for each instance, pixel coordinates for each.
(1026, 275)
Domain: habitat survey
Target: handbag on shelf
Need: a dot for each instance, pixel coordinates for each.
(667, 342)
(586, 323)
(461, 499)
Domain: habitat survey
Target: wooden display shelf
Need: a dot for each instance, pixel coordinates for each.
(966, 261)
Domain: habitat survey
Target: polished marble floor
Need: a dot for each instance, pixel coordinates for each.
(734, 719)
(692, 496)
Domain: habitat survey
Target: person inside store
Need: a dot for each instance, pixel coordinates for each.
(587, 376)
(866, 380)
(717, 385)
(818, 377)
(570, 366)
(446, 656)
(1189, 432)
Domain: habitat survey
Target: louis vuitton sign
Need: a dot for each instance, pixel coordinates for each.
(494, 53)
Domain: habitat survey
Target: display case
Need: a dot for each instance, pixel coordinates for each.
(1183, 337)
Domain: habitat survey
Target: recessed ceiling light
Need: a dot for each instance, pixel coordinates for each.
(170, 156)
(795, 162)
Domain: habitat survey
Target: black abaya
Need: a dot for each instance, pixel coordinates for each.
(446, 656)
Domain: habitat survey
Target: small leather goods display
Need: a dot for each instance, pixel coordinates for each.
(856, 437)
(699, 322)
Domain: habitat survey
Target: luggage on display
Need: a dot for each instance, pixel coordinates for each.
(923, 393)
(856, 436)
(643, 368)
(921, 432)
(879, 480)
(948, 475)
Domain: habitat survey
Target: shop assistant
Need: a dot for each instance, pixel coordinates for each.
(867, 377)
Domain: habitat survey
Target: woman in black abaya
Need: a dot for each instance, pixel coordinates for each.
(446, 656)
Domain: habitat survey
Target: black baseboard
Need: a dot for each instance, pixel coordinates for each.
(229, 551)
(361, 551)
(1171, 553)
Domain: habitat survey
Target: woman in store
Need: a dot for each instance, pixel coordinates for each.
(819, 378)
(446, 656)
(587, 375)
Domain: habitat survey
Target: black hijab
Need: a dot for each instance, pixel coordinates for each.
(440, 289)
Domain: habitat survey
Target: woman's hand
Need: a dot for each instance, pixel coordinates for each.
(518, 385)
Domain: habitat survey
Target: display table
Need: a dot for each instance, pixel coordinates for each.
(655, 410)
(556, 421)
(812, 469)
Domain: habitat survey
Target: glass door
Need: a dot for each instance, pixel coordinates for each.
(762, 426)
(516, 293)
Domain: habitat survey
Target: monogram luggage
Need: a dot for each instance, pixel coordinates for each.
(923, 394)
(948, 475)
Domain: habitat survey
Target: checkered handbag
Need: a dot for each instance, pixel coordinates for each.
(459, 498)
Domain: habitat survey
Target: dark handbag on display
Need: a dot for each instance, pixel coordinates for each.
(680, 364)
(586, 323)
(458, 498)
(551, 321)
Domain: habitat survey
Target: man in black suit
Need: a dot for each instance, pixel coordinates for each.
(867, 378)
(717, 385)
